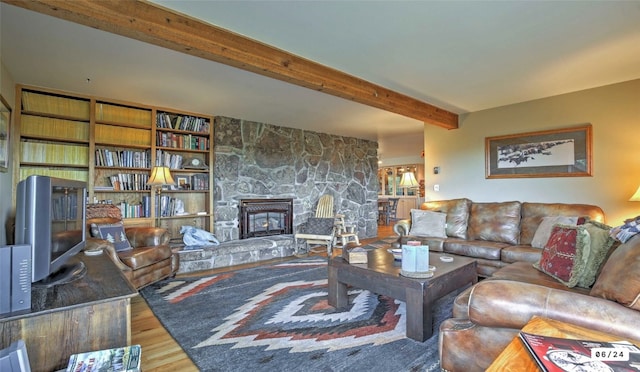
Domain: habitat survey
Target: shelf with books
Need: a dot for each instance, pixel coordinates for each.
(113, 145)
(53, 130)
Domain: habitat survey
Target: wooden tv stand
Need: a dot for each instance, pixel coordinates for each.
(91, 313)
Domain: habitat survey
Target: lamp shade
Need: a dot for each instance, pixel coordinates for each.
(160, 176)
(636, 196)
(408, 180)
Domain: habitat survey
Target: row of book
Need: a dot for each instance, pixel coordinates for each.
(166, 206)
(122, 114)
(53, 153)
(167, 159)
(40, 126)
(200, 181)
(182, 122)
(107, 134)
(55, 105)
(139, 210)
(129, 182)
(70, 174)
(182, 141)
(123, 158)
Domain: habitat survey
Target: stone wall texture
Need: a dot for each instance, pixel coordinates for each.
(258, 160)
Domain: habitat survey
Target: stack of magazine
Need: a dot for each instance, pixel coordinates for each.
(120, 359)
(554, 354)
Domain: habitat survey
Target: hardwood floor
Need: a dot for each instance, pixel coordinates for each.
(160, 352)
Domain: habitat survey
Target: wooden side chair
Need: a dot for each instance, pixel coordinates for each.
(320, 229)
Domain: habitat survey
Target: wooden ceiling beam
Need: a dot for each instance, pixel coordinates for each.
(164, 27)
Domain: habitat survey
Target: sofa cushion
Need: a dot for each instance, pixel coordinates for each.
(517, 253)
(624, 262)
(601, 243)
(543, 232)
(496, 222)
(474, 248)
(428, 223)
(533, 213)
(565, 254)
(526, 273)
(457, 211)
(113, 233)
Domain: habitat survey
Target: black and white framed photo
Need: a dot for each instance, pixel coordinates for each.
(5, 123)
(551, 153)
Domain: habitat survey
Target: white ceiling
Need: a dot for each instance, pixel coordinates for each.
(463, 56)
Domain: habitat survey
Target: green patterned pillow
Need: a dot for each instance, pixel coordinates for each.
(601, 242)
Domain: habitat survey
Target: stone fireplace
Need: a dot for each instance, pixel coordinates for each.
(259, 161)
(265, 217)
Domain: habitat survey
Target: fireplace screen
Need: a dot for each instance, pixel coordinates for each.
(264, 217)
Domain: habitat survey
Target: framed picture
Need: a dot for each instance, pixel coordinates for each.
(5, 122)
(551, 153)
(183, 183)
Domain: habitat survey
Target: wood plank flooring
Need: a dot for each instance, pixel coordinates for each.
(160, 352)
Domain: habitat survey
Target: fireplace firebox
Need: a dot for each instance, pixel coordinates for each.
(264, 217)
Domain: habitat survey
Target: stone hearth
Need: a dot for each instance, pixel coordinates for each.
(237, 252)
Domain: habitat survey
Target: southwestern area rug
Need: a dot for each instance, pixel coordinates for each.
(276, 317)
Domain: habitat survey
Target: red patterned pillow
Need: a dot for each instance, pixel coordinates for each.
(564, 256)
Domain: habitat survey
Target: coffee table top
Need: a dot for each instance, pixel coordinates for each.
(380, 260)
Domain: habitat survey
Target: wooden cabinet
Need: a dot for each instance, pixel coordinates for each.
(112, 145)
(91, 313)
(389, 180)
(405, 205)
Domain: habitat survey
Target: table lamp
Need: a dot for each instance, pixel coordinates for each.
(408, 180)
(160, 176)
(636, 196)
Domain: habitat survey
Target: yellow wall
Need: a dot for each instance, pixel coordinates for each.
(613, 111)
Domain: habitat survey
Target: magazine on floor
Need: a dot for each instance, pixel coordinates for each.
(555, 354)
(120, 359)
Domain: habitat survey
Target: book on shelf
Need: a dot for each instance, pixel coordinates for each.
(55, 105)
(200, 181)
(182, 122)
(119, 359)
(556, 354)
(40, 126)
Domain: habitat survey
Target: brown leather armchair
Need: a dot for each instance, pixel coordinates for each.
(151, 258)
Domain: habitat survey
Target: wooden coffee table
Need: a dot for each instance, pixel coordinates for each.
(381, 275)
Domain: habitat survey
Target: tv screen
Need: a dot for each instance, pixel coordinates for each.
(50, 216)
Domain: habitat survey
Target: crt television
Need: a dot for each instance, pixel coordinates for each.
(50, 216)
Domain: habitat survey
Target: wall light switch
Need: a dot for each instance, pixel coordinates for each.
(436, 187)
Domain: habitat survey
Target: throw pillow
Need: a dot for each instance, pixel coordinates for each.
(544, 229)
(319, 226)
(564, 256)
(115, 235)
(601, 243)
(428, 223)
(619, 280)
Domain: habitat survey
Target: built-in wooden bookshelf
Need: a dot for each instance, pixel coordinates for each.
(183, 143)
(112, 145)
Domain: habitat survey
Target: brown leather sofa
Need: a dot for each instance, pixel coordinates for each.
(151, 258)
(496, 234)
(487, 316)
